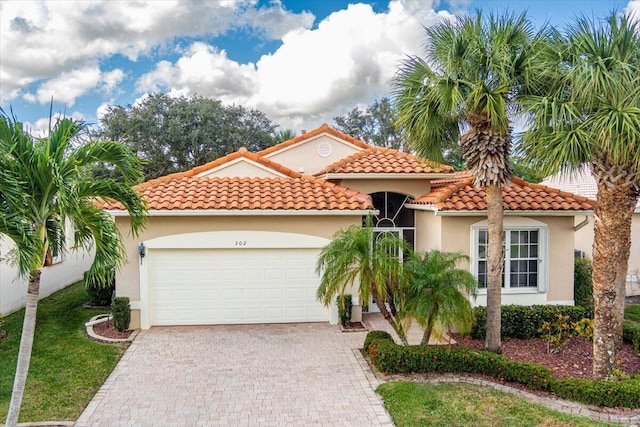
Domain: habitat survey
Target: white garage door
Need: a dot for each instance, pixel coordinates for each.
(224, 286)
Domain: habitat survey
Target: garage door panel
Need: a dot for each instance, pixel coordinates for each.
(215, 286)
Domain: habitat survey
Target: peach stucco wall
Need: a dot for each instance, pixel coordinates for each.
(455, 235)
(304, 157)
(412, 187)
(128, 279)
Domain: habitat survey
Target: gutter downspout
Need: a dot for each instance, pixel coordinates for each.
(582, 224)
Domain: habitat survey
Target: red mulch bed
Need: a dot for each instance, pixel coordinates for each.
(106, 330)
(574, 360)
(353, 327)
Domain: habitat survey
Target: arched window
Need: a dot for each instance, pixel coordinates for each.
(394, 216)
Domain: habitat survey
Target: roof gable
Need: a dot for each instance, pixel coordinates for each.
(305, 137)
(241, 163)
(313, 151)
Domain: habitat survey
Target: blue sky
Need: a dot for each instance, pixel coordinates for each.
(301, 62)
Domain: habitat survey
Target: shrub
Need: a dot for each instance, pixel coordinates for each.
(556, 333)
(600, 393)
(522, 321)
(389, 357)
(631, 334)
(583, 285)
(121, 312)
(632, 312)
(584, 328)
(101, 291)
(345, 306)
(374, 336)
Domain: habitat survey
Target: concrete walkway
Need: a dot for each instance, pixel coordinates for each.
(268, 375)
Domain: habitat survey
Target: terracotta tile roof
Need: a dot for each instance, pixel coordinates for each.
(307, 135)
(456, 177)
(381, 160)
(305, 192)
(519, 196)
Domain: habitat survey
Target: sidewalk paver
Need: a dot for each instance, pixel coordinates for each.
(253, 375)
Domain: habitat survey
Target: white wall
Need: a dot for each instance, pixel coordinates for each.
(13, 291)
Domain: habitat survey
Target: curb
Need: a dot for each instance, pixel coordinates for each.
(45, 424)
(100, 318)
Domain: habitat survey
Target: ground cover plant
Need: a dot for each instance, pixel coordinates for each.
(66, 367)
(412, 404)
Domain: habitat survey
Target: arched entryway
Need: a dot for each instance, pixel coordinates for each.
(393, 217)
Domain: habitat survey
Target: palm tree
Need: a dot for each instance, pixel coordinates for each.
(45, 186)
(283, 135)
(437, 293)
(591, 114)
(475, 72)
(359, 253)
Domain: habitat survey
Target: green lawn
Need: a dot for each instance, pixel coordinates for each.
(632, 312)
(67, 368)
(412, 404)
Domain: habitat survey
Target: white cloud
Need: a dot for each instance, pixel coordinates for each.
(40, 127)
(315, 74)
(633, 9)
(276, 22)
(205, 71)
(111, 79)
(70, 85)
(57, 36)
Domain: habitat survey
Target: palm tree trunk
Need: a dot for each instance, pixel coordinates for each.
(612, 242)
(494, 268)
(387, 316)
(26, 344)
(428, 329)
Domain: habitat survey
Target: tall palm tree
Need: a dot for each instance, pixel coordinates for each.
(45, 186)
(471, 81)
(592, 115)
(359, 253)
(436, 292)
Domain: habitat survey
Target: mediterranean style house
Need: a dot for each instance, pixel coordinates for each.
(236, 240)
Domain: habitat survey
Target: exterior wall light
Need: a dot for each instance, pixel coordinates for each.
(142, 251)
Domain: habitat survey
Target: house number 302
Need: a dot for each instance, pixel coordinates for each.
(241, 243)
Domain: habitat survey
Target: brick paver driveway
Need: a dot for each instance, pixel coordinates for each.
(253, 375)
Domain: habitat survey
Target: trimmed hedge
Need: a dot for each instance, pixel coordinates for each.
(375, 336)
(522, 321)
(389, 357)
(121, 312)
(631, 334)
(583, 285)
(601, 393)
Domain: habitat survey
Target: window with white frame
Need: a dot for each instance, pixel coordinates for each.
(525, 245)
